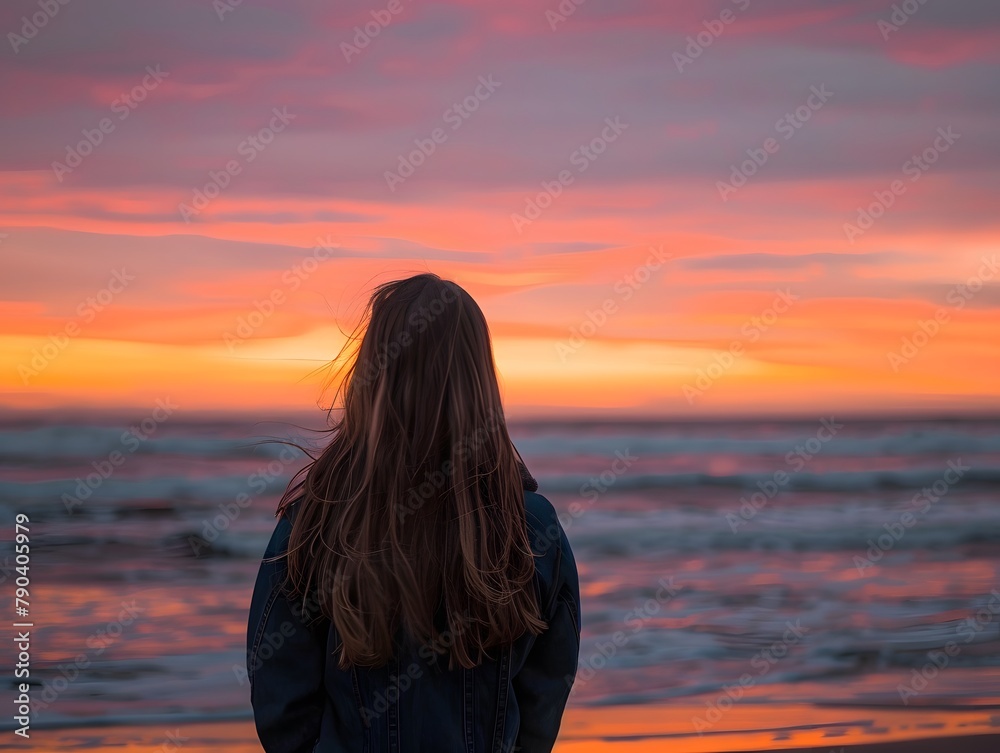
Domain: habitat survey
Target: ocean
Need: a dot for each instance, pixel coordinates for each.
(832, 563)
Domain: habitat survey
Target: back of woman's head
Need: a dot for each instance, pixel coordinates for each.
(413, 515)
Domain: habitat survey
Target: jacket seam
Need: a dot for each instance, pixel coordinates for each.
(394, 708)
(362, 711)
(500, 725)
(272, 597)
(357, 697)
(574, 614)
(469, 742)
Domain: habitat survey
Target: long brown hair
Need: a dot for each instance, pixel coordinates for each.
(416, 506)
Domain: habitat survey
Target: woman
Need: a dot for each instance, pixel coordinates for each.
(417, 593)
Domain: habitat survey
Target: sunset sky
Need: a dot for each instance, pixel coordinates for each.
(780, 206)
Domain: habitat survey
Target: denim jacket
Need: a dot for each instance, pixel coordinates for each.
(303, 702)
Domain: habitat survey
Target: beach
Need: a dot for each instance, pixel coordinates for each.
(628, 729)
(755, 585)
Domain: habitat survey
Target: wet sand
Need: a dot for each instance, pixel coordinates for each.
(630, 729)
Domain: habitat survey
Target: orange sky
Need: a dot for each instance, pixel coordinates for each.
(758, 299)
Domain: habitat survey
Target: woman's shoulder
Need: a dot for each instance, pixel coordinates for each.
(546, 532)
(285, 518)
(550, 546)
(540, 511)
(286, 510)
